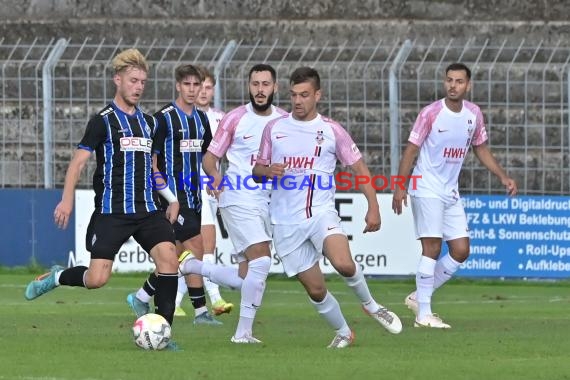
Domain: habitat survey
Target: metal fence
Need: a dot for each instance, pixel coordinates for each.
(375, 91)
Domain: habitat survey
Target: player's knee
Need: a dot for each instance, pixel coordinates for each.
(460, 255)
(346, 268)
(166, 259)
(169, 264)
(258, 250)
(96, 281)
(317, 293)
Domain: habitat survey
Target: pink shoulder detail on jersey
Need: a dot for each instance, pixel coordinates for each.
(424, 122)
(226, 130)
(480, 133)
(264, 155)
(472, 107)
(346, 150)
(281, 111)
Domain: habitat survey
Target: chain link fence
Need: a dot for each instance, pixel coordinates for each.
(374, 90)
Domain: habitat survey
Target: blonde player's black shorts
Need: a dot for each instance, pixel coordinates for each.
(188, 224)
(106, 233)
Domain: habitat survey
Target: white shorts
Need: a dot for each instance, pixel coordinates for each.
(209, 209)
(246, 225)
(434, 218)
(300, 246)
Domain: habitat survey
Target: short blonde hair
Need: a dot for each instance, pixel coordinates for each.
(129, 58)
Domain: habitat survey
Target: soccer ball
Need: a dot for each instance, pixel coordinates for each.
(151, 332)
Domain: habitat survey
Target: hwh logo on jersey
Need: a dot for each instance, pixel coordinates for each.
(454, 152)
(192, 145)
(136, 144)
(299, 162)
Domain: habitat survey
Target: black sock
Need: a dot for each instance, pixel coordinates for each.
(149, 285)
(73, 276)
(165, 296)
(197, 296)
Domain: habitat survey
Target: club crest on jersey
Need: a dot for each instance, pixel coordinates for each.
(320, 137)
(354, 148)
(135, 144)
(191, 145)
(147, 129)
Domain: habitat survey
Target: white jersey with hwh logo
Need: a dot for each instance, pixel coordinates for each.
(310, 150)
(444, 138)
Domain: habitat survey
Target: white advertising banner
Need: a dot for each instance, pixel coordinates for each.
(391, 251)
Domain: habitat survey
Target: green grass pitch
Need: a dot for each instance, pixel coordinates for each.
(510, 330)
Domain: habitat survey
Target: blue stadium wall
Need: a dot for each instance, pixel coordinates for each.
(27, 231)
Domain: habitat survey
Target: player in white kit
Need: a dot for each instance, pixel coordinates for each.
(301, 150)
(442, 134)
(209, 208)
(244, 208)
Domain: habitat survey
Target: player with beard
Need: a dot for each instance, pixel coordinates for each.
(244, 205)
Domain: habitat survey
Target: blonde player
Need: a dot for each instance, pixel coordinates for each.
(244, 209)
(301, 150)
(442, 135)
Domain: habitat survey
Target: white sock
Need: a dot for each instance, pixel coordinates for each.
(329, 309)
(182, 290)
(212, 288)
(200, 310)
(359, 286)
(219, 274)
(58, 274)
(193, 266)
(84, 279)
(143, 296)
(444, 270)
(252, 294)
(222, 275)
(424, 285)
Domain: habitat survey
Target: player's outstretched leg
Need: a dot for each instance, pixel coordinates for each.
(219, 305)
(43, 283)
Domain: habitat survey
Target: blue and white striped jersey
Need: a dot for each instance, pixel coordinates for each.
(123, 147)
